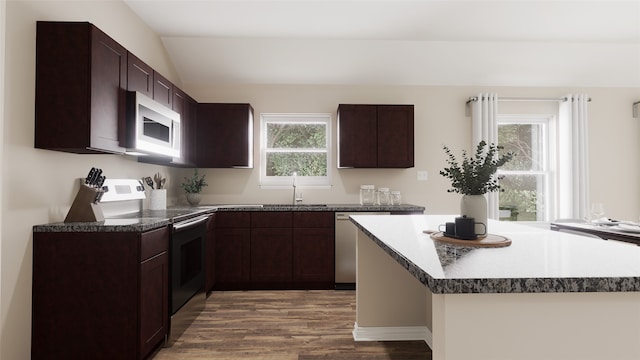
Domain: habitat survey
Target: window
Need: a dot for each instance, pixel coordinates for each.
(297, 143)
(527, 179)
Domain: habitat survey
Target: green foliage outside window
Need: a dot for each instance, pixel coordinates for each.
(296, 147)
(519, 192)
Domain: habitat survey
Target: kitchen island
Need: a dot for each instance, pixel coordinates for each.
(550, 295)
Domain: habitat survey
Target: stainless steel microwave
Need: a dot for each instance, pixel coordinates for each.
(152, 128)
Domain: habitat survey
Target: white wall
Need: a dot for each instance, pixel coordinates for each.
(38, 186)
(439, 119)
(439, 112)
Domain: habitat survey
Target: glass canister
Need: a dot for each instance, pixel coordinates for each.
(396, 198)
(367, 195)
(384, 196)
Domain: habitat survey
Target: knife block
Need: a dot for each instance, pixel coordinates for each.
(84, 207)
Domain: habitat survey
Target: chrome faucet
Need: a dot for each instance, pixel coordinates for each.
(294, 188)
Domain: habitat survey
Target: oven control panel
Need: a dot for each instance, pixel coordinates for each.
(122, 189)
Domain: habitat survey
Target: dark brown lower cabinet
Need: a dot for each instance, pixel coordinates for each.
(232, 257)
(314, 249)
(102, 295)
(271, 257)
(313, 257)
(154, 300)
(274, 250)
(232, 250)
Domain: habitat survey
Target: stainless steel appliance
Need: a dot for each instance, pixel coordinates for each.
(186, 269)
(152, 128)
(345, 245)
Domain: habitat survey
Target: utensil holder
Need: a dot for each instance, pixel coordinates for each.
(158, 199)
(85, 207)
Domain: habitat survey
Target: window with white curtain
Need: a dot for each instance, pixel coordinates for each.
(527, 180)
(295, 143)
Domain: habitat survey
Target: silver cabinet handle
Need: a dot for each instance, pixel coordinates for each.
(189, 223)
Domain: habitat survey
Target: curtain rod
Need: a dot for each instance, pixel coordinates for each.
(475, 98)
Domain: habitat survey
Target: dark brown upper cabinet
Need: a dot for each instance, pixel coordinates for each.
(224, 135)
(80, 88)
(162, 90)
(187, 107)
(375, 136)
(139, 76)
(142, 78)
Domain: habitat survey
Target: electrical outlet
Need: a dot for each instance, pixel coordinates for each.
(423, 175)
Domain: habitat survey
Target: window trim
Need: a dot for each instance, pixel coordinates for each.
(303, 182)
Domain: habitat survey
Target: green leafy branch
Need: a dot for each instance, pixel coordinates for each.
(475, 176)
(194, 184)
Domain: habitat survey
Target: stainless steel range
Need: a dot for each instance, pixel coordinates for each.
(186, 269)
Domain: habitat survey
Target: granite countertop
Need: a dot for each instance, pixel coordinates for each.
(152, 219)
(538, 260)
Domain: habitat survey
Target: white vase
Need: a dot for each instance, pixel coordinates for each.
(193, 199)
(475, 206)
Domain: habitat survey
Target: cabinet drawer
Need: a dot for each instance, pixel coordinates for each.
(275, 219)
(233, 219)
(153, 243)
(313, 219)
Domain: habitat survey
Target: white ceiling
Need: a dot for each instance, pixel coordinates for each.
(502, 43)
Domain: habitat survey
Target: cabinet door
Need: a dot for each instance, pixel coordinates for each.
(80, 88)
(271, 255)
(232, 257)
(395, 136)
(357, 136)
(313, 255)
(224, 136)
(154, 289)
(182, 104)
(108, 96)
(154, 302)
(162, 90)
(139, 76)
(85, 295)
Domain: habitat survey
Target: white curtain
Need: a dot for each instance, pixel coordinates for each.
(573, 158)
(485, 127)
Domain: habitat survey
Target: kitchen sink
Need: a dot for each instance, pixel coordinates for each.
(296, 205)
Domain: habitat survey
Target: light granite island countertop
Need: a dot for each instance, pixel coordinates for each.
(549, 295)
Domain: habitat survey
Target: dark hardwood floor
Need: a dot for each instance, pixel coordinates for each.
(283, 325)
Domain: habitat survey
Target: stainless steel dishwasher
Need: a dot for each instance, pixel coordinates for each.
(346, 249)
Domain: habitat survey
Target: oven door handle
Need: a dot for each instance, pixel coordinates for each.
(190, 223)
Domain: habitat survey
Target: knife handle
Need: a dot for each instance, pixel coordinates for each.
(90, 176)
(100, 181)
(96, 177)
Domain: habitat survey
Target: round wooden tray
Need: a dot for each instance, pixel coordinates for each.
(490, 241)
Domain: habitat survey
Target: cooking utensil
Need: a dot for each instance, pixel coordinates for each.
(159, 180)
(149, 181)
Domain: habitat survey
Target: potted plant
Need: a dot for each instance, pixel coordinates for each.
(475, 177)
(192, 186)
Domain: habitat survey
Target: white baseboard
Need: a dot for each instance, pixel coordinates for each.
(396, 333)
